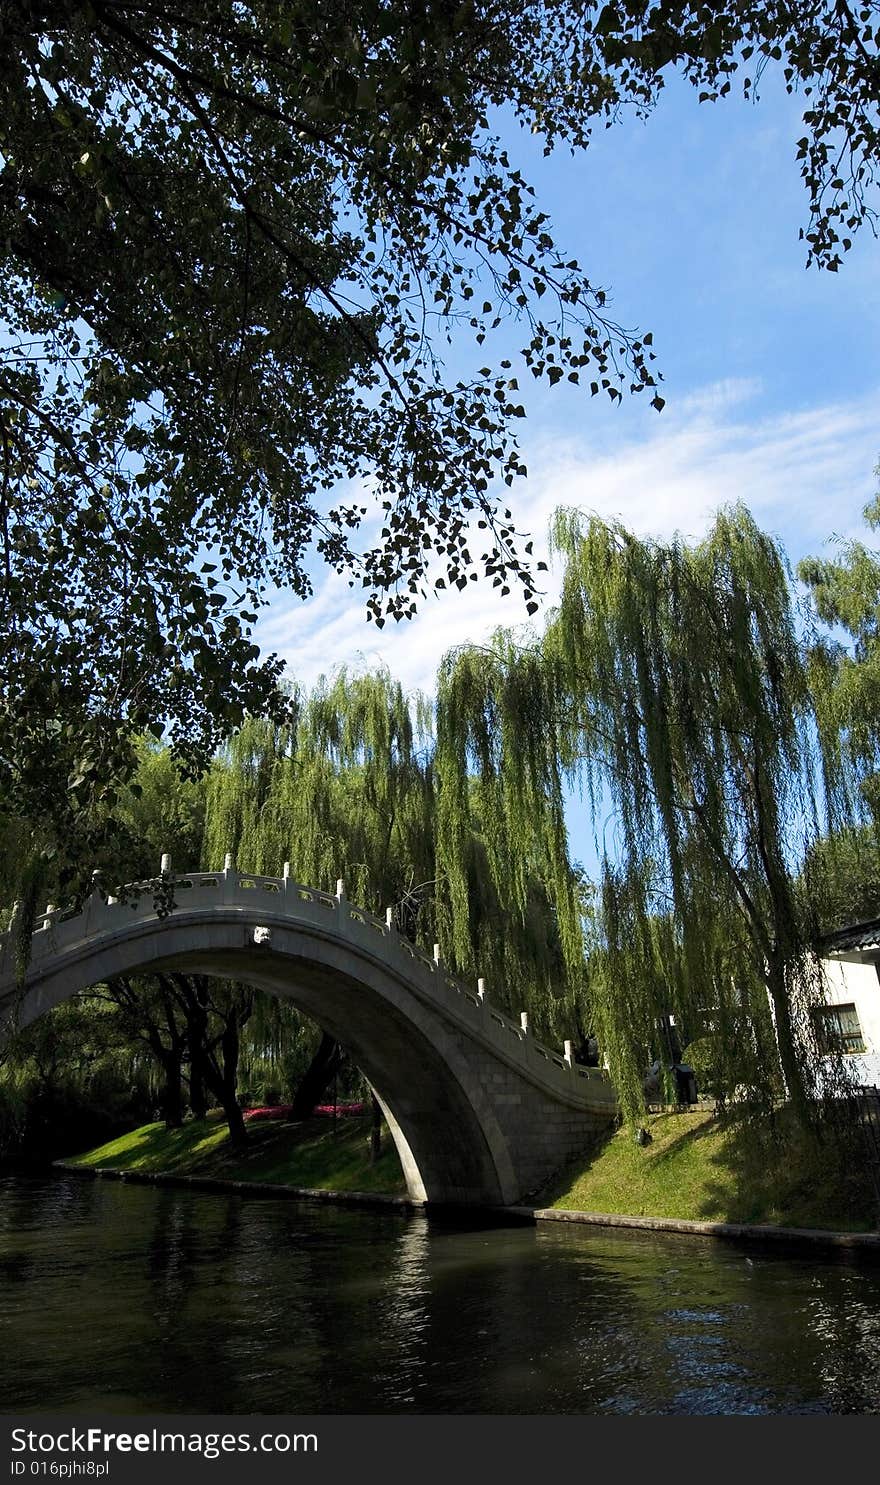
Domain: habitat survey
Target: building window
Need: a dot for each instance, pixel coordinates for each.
(838, 1029)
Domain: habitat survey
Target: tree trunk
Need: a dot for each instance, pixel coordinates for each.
(792, 1071)
(322, 1068)
(172, 1092)
(193, 1002)
(148, 1028)
(198, 1097)
(230, 1044)
(221, 1076)
(235, 1120)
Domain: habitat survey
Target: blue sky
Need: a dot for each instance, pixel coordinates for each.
(772, 383)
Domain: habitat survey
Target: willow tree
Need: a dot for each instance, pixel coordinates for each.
(345, 793)
(351, 792)
(845, 653)
(501, 838)
(670, 686)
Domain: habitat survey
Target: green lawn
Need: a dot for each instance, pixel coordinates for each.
(308, 1154)
(697, 1167)
(704, 1169)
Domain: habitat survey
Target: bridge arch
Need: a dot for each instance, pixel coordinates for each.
(479, 1111)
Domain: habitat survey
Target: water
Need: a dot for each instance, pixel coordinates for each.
(121, 1298)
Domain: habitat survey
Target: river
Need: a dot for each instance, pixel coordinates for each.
(137, 1299)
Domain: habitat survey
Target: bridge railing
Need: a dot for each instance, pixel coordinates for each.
(60, 927)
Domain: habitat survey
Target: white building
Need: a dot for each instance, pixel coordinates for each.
(850, 1020)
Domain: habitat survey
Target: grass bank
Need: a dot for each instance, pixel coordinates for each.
(696, 1168)
(310, 1154)
(703, 1169)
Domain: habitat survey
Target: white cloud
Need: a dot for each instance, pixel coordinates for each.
(718, 397)
(804, 474)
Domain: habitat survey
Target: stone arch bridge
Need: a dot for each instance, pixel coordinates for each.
(479, 1110)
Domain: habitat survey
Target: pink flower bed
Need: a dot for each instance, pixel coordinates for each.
(284, 1110)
